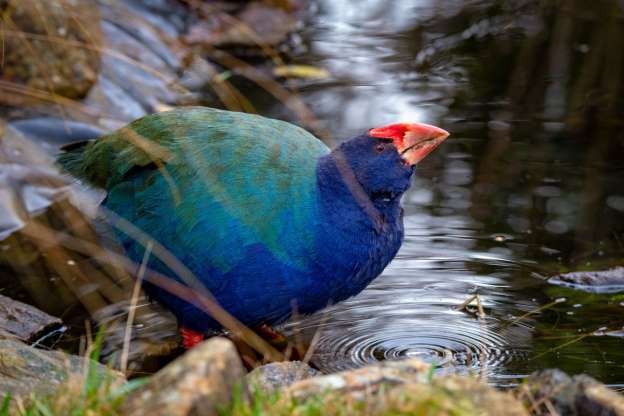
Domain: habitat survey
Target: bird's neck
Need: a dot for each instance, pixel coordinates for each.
(346, 201)
(347, 212)
(356, 237)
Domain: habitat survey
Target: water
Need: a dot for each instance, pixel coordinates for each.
(529, 184)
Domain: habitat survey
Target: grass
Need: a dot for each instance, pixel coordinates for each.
(91, 393)
(413, 400)
(100, 396)
(95, 394)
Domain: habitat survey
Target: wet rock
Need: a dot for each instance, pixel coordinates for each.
(168, 16)
(28, 182)
(147, 87)
(257, 24)
(406, 386)
(580, 395)
(198, 73)
(604, 281)
(24, 322)
(143, 40)
(198, 383)
(25, 370)
(145, 66)
(51, 46)
(53, 132)
(276, 376)
(105, 96)
(118, 38)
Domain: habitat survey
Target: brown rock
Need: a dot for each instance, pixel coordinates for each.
(24, 322)
(198, 383)
(404, 387)
(366, 379)
(257, 24)
(276, 376)
(25, 370)
(51, 46)
(580, 395)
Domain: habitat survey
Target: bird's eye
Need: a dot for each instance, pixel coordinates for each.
(379, 148)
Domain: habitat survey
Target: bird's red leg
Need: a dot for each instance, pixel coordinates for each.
(190, 338)
(273, 337)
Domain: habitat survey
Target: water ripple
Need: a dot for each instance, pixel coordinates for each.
(476, 347)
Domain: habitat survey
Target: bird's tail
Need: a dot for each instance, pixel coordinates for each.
(71, 158)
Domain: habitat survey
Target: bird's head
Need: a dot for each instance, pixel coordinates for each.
(383, 159)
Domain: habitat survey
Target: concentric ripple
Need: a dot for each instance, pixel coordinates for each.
(450, 347)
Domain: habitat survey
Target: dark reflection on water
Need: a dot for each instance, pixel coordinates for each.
(531, 182)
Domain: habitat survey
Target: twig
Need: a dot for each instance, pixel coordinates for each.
(123, 364)
(480, 312)
(537, 310)
(315, 338)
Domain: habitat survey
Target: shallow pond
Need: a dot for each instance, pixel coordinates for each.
(531, 182)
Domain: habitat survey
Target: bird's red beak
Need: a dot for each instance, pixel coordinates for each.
(412, 141)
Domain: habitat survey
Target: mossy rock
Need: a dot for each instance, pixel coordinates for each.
(51, 47)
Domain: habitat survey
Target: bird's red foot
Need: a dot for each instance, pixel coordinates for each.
(273, 337)
(190, 338)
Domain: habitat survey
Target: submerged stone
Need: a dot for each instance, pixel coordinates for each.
(602, 281)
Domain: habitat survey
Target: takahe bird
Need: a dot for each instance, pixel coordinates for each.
(266, 216)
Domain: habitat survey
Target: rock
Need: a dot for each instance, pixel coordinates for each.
(167, 16)
(604, 281)
(405, 387)
(257, 24)
(198, 383)
(53, 132)
(580, 395)
(149, 42)
(366, 379)
(24, 322)
(51, 46)
(25, 370)
(145, 65)
(28, 182)
(106, 96)
(276, 376)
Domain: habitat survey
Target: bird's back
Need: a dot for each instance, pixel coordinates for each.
(231, 195)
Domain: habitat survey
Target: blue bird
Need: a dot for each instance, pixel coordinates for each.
(261, 211)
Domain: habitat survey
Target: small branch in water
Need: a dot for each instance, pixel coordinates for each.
(537, 310)
(565, 344)
(479, 312)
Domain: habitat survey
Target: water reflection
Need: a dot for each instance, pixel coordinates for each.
(530, 182)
